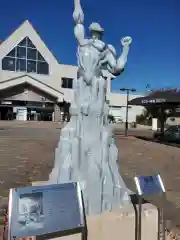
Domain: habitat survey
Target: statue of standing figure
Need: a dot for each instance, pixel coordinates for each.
(87, 152)
(93, 56)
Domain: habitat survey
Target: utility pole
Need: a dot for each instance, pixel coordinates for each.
(127, 90)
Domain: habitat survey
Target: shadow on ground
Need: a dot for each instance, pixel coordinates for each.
(160, 142)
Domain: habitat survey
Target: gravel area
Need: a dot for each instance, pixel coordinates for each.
(27, 154)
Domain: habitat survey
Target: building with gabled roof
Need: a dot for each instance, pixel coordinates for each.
(33, 82)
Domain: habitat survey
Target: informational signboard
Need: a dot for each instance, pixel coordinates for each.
(43, 210)
(149, 185)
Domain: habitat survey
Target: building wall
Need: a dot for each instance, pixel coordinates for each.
(53, 80)
(26, 93)
(118, 101)
(120, 113)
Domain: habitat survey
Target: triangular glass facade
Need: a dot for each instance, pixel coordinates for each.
(25, 58)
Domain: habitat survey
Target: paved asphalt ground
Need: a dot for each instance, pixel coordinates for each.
(27, 154)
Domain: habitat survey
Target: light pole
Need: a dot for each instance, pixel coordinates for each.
(148, 87)
(127, 90)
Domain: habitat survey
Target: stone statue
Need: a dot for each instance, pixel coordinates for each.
(87, 152)
(92, 54)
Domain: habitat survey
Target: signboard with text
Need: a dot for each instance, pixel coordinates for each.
(149, 185)
(42, 210)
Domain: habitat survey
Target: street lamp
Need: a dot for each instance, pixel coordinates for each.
(127, 90)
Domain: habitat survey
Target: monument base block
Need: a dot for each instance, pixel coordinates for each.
(119, 224)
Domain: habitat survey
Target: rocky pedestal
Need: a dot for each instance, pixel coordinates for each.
(87, 153)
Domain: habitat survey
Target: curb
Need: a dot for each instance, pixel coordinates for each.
(129, 137)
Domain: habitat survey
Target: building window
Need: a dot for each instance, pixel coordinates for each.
(67, 82)
(31, 66)
(8, 64)
(12, 53)
(25, 58)
(31, 54)
(21, 65)
(23, 43)
(42, 67)
(21, 52)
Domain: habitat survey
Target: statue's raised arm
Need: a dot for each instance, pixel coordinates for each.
(78, 16)
(116, 66)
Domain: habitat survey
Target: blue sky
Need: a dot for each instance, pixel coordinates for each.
(153, 24)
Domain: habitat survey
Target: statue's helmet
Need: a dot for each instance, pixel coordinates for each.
(95, 27)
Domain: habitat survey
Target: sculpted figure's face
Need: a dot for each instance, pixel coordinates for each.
(96, 35)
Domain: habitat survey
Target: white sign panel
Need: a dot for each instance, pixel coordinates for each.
(21, 113)
(154, 124)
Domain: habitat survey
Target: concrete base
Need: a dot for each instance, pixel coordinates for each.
(120, 224)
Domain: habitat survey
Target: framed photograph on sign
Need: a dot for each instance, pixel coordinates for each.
(43, 210)
(30, 210)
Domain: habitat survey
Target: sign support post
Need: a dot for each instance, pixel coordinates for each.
(139, 217)
(150, 185)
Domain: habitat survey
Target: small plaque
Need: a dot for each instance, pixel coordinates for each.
(149, 185)
(43, 210)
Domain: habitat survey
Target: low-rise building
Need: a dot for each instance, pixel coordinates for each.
(35, 86)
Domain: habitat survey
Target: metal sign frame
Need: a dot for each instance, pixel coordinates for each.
(155, 186)
(33, 211)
